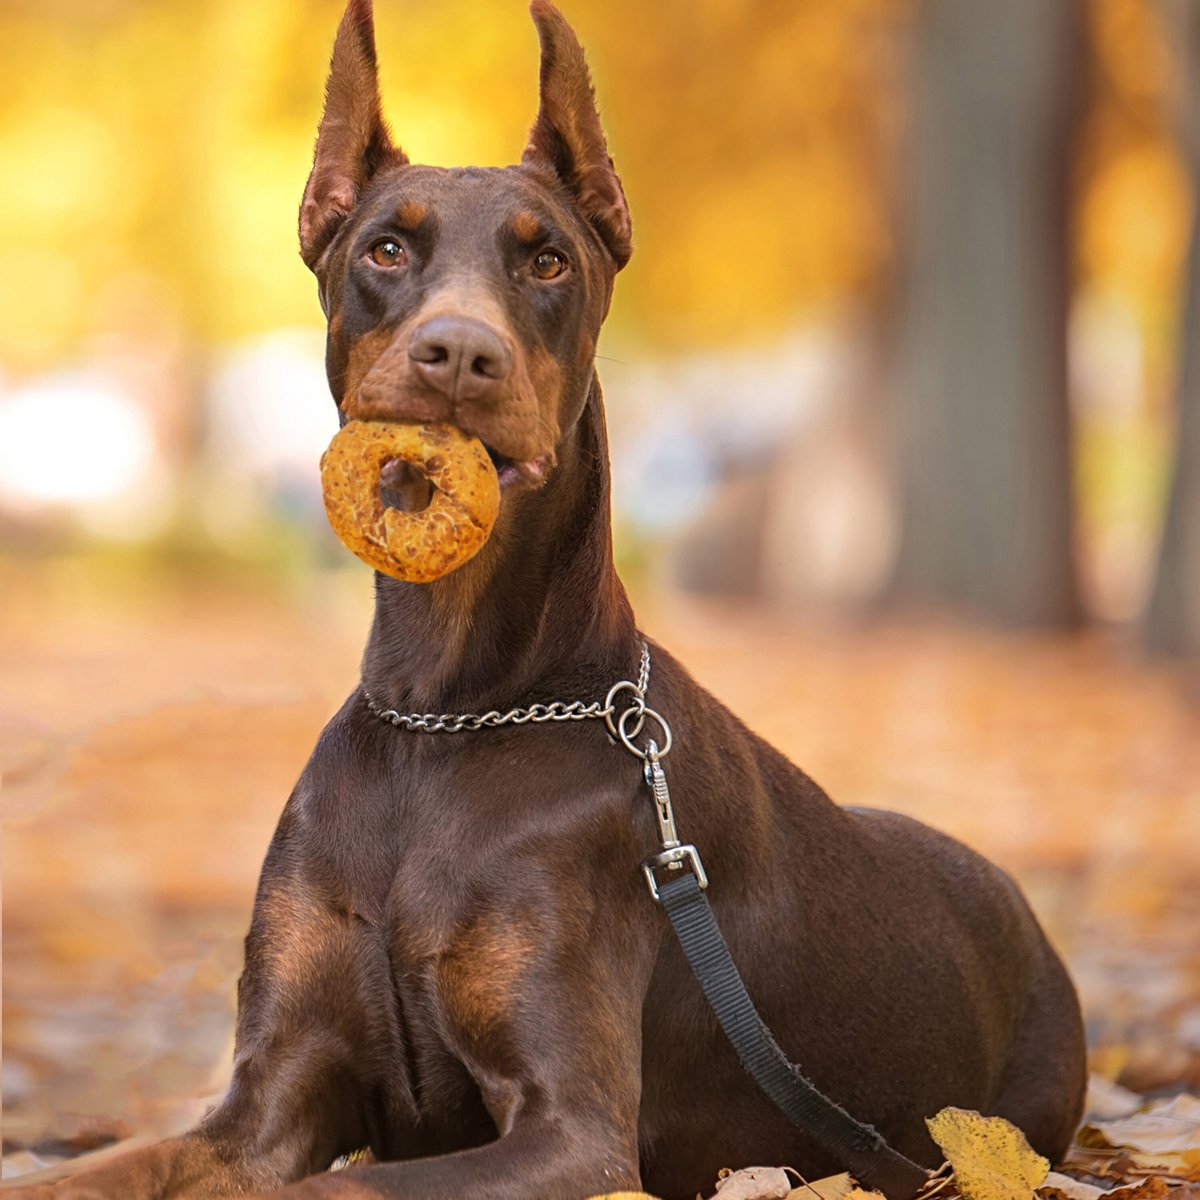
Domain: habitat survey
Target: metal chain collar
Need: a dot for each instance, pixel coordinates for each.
(624, 726)
(556, 710)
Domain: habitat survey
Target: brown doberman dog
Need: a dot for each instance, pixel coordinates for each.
(454, 960)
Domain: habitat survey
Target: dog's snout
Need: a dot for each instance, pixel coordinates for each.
(461, 357)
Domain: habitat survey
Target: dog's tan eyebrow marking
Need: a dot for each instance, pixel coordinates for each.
(411, 213)
(528, 229)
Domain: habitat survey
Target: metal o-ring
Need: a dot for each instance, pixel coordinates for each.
(627, 737)
(638, 706)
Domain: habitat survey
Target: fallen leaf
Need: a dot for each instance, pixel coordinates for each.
(1154, 1188)
(1175, 1166)
(1165, 1127)
(832, 1187)
(1063, 1187)
(1107, 1100)
(1103, 1162)
(755, 1183)
(990, 1156)
(624, 1196)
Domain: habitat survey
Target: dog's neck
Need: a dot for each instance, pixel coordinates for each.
(541, 605)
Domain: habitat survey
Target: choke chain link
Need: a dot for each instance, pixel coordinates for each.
(555, 710)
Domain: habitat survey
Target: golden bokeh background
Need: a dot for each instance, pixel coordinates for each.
(153, 154)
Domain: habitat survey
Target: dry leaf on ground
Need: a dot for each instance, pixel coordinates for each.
(1154, 1188)
(1100, 1163)
(1162, 1139)
(832, 1187)
(990, 1156)
(1107, 1100)
(755, 1183)
(1164, 1127)
(1063, 1187)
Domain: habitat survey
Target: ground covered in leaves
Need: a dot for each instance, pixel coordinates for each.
(151, 731)
(1152, 1152)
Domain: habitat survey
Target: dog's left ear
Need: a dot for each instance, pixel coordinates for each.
(353, 141)
(567, 138)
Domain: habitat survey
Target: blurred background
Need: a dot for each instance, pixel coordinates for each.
(904, 389)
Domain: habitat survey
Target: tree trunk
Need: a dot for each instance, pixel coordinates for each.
(1173, 616)
(984, 437)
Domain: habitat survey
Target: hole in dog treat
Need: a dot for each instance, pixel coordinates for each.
(404, 486)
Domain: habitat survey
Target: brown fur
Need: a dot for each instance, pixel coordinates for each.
(453, 958)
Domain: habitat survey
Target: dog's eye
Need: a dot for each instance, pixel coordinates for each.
(549, 264)
(389, 253)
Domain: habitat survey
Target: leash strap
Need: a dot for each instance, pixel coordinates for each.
(860, 1147)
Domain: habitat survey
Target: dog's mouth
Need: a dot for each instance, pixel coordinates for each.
(405, 487)
(506, 469)
(511, 473)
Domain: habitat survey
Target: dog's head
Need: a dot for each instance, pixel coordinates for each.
(473, 295)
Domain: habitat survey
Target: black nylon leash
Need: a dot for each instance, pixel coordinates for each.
(859, 1147)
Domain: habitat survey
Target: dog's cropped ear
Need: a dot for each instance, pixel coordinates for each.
(353, 141)
(566, 137)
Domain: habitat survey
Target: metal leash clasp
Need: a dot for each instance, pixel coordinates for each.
(674, 855)
(625, 726)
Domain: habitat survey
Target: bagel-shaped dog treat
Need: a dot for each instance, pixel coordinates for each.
(415, 546)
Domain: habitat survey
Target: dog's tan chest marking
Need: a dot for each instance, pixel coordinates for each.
(479, 977)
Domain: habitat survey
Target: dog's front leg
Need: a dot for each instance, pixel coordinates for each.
(314, 1023)
(540, 997)
(550, 1159)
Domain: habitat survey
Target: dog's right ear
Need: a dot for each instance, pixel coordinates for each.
(353, 141)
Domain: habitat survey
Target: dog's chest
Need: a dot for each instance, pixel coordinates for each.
(453, 988)
(462, 955)
(471, 855)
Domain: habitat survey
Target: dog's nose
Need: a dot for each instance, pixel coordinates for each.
(461, 357)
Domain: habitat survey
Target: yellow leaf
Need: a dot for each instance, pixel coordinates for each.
(832, 1187)
(624, 1196)
(990, 1156)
